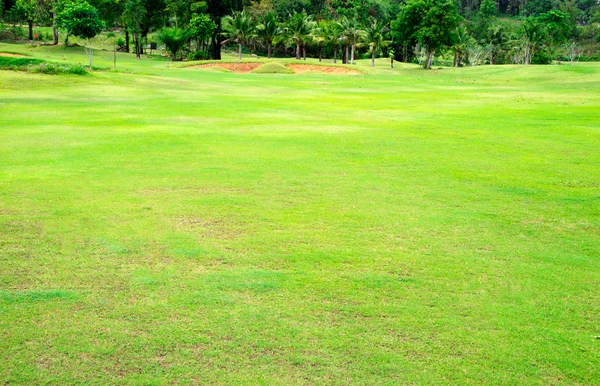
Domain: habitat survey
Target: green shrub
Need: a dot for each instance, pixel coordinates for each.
(12, 33)
(58, 68)
(541, 57)
(120, 42)
(174, 39)
(198, 55)
(272, 68)
(585, 58)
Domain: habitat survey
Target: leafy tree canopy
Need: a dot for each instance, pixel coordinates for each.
(430, 23)
(80, 19)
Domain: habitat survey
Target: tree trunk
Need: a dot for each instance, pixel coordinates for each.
(90, 53)
(216, 46)
(373, 57)
(429, 60)
(240, 51)
(136, 43)
(126, 39)
(492, 57)
(137, 35)
(335, 54)
(54, 29)
(297, 51)
(67, 40)
(456, 59)
(320, 53)
(269, 51)
(30, 23)
(304, 52)
(352, 54)
(345, 54)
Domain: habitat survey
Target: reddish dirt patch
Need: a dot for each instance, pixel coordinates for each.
(9, 55)
(303, 68)
(233, 67)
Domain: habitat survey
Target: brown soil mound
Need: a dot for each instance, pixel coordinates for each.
(233, 67)
(9, 55)
(302, 68)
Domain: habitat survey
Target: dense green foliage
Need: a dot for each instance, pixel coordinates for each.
(202, 28)
(80, 19)
(239, 28)
(494, 31)
(429, 23)
(267, 30)
(174, 39)
(297, 31)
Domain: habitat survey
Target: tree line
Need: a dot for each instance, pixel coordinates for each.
(470, 31)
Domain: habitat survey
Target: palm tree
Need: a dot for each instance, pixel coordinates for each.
(353, 35)
(268, 31)
(174, 39)
(335, 32)
(461, 40)
(320, 35)
(496, 38)
(532, 34)
(239, 27)
(375, 36)
(298, 29)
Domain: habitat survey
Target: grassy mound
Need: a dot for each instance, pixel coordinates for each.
(41, 66)
(272, 68)
(217, 69)
(7, 61)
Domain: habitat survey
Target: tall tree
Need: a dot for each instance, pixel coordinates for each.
(375, 37)
(268, 30)
(354, 36)
(532, 35)
(320, 36)
(430, 23)
(335, 31)
(133, 13)
(496, 39)
(79, 19)
(30, 11)
(460, 44)
(202, 28)
(557, 26)
(82, 20)
(217, 9)
(298, 30)
(239, 27)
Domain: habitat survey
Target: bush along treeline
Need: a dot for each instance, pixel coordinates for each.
(453, 32)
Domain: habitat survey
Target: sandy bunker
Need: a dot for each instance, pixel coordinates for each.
(297, 68)
(11, 55)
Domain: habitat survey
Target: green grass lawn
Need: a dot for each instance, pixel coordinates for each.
(399, 227)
